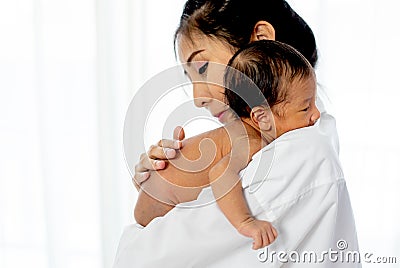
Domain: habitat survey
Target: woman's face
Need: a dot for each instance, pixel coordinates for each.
(206, 60)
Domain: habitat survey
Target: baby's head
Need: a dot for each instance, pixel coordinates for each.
(285, 79)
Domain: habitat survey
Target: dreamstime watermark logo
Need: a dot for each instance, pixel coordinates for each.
(340, 254)
(161, 87)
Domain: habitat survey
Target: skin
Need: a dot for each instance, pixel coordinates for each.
(181, 182)
(298, 111)
(169, 187)
(197, 55)
(206, 95)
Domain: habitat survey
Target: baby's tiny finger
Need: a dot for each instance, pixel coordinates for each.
(271, 236)
(275, 232)
(265, 239)
(257, 242)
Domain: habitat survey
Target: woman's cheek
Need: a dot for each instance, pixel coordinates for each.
(215, 73)
(218, 92)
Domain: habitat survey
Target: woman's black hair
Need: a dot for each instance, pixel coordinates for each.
(261, 74)
(234, 20)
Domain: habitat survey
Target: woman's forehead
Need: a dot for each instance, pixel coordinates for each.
(187, 45)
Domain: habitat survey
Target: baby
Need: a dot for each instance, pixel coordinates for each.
(287, 83)
(278, 95)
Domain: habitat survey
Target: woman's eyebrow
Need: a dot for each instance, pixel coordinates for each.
(190, 58)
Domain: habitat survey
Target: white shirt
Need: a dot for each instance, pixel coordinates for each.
(296, 182)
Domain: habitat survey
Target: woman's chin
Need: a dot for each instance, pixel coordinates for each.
(226, 118)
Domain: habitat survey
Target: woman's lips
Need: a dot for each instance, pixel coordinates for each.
(220, 115)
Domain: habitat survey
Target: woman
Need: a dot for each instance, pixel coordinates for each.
(305, 194)
(254, 20)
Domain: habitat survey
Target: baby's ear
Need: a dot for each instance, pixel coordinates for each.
(262, 116)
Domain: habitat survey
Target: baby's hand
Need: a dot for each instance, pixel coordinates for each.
(262, 232)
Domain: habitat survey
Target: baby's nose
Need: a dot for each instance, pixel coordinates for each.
(315, 116)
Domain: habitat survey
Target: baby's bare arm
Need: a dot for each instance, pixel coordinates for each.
(224, 176)
(226, 184)
(227, 188)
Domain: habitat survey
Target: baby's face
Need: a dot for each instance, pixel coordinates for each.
(299, 110)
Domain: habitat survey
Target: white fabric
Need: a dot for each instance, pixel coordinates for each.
(304, 196)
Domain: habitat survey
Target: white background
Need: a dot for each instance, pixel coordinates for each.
(68, 70)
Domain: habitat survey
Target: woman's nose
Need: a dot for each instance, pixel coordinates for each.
(201, 95)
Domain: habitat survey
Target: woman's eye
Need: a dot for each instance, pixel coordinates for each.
(203, 68)
(306, 109)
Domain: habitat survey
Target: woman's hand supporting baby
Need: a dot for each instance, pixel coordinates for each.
(156, 157)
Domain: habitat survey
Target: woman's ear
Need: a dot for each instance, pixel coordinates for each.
(262, 117)
(263, 30)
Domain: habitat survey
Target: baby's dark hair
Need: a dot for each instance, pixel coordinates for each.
(261, 73)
